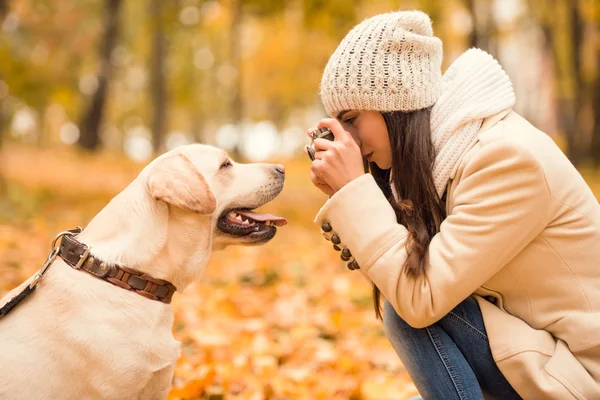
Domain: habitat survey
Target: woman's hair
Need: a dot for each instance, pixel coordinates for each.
(418, 207)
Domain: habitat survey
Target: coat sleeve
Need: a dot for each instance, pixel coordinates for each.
(500, 205)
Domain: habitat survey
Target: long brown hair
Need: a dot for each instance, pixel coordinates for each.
(419, 208)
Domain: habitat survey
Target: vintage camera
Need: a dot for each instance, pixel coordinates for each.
(321, 133)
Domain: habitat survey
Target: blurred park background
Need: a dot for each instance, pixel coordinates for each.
(91, 90)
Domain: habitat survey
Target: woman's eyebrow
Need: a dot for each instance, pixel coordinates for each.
(341, 114)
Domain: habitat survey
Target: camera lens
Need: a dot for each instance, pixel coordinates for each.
(320, 133)
(311, 152)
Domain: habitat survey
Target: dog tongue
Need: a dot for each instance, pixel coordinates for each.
(278, 221)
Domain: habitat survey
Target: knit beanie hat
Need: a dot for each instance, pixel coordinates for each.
(389, 62)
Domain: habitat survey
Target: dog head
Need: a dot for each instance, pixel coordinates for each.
(205, 184)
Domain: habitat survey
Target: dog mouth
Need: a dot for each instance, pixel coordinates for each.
(243, 222)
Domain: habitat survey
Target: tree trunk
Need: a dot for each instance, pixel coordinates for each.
(237, 101)
(90, 124)
(483, 30)
(573, 130)
(197, 125)
(159, 93)
(595, 145)
(3, 12)
(3, 9)
(567, 115)
(2, 181)
(2, 117)
(567, 71)
(473, 36)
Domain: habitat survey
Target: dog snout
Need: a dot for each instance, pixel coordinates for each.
(280, 169)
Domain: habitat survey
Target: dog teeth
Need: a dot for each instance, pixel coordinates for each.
(245, 222)
(268, 223)
(238, 217)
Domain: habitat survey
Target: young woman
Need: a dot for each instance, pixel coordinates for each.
(479, 233)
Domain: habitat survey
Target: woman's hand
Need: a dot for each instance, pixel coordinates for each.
(337, 162)
(320, 184)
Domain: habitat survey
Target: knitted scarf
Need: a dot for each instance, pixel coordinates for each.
(474, 87)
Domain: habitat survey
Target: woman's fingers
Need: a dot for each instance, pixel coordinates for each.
(322, 145)
(318, 163)
(319, 168)
(320, 183)
(316, 179)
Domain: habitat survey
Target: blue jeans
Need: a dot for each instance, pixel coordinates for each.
(450, 359)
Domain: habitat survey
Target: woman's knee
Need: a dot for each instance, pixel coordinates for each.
(395, 328)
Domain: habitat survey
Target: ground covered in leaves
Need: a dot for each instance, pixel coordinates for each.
(282, 321)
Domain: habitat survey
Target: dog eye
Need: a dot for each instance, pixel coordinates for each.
(226, 164)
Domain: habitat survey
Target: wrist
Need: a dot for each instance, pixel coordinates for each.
(356, 176)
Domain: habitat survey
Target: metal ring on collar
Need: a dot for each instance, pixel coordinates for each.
(70, 232)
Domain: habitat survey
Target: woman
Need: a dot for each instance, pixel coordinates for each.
(482, 237)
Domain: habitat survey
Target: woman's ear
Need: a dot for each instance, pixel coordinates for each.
(176, 181)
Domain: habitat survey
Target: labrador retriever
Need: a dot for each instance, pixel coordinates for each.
(79, 337)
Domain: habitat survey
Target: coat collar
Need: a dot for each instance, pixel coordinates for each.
(488, 123)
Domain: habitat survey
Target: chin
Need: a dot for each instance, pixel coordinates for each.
(381, 165)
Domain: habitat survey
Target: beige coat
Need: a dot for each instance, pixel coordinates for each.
(522, 233)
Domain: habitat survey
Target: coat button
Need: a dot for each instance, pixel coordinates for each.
(335, 239)
(337, 248)
(326, 227)
(352, 265)
(346, 255)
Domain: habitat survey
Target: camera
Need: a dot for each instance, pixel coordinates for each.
(321, 133)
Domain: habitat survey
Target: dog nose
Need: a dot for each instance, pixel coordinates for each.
(280, 168)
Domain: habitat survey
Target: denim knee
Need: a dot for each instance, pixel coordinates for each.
(395, 328)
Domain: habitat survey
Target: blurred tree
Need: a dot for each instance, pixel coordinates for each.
(483, 28)
(592, 11)
(238, 9)
(293, 41)
(41, 59)
(562, 27)
(595, 145)
(92, 119)
(571, 102)
(333, 17)
(237, 103)
(189, 85)
(208, 62)
(157, 68)
(3, 12)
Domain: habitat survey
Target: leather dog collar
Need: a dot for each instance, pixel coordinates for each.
(77, 255)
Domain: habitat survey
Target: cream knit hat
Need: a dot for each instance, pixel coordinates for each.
(389, 62)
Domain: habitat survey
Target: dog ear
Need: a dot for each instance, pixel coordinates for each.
(176, 181)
